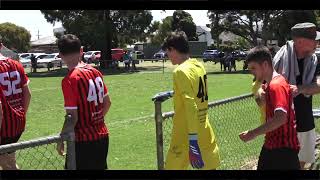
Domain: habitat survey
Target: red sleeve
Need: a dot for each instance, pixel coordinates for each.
(279, 97)
(105, 89)
(70, 93)
(24, 78)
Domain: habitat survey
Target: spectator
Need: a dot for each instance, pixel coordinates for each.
(86, 99)
(33, 63)
(297, 62)
(127, 60)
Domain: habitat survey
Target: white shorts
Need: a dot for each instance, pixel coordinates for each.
(307, 142)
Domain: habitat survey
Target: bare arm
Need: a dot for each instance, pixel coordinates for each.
(278, 120)
(69, 125)
(26, 98)
(310, 89)
(106, 104)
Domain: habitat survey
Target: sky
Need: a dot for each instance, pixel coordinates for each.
(36, 24)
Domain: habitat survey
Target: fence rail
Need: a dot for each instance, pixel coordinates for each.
(228, 118)
(41, 153)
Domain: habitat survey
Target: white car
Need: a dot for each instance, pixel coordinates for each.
(90, 56)
(49, 61)
(25, 58)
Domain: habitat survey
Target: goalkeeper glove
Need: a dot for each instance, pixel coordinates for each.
(194, 152)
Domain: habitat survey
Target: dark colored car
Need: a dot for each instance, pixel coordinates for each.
(212, 55)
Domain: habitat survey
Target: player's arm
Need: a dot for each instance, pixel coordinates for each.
(25, 88)
(69, 88)
(26, 97)
(106, 100)
(106, 104)
(279, 98)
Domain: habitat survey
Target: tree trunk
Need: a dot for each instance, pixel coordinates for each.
(106, 57)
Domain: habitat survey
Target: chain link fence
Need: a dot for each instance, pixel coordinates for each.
(41, 154)
(228, 118)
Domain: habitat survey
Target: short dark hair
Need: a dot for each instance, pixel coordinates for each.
(68, 44)
(259, 54)
(177, 40)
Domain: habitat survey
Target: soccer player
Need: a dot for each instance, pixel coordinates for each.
(192, 141)
(281, 145)
(14, 82)
(86, 99)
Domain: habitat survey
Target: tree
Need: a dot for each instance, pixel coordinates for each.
(103, 29)
(249, 24)
(281, 26)
(164, 29)
(182, 21)
(15, 37)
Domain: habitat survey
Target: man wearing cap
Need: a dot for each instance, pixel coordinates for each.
(297, 62)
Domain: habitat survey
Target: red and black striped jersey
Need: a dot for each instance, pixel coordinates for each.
(278, 97)
(12, 80)
(83, 89)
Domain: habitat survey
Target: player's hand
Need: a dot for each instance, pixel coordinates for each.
(247, 136)
(194, 152)
(294, 89)
(60, 148)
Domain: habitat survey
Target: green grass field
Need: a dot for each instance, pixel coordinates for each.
(130, 119)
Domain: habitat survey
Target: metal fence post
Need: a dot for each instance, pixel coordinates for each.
(159, 134)
(70, 139)
(71, 152)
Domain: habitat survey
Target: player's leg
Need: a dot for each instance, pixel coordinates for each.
(8, 160)
(99, 152)
(82, 155)
(263, 162)
(307, 142)
(211, 158)
(177, 158)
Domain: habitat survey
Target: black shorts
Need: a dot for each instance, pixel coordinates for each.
(278, 159)
(92, 155)
(10, 140)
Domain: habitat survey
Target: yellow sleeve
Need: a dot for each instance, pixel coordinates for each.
(255, 87)
(184, 84)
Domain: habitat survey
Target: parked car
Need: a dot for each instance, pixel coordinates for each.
(239, 54)
(211, 55)
(25, 58)
(160, 55)
(117, 54)
(92, 56)
(50, 61)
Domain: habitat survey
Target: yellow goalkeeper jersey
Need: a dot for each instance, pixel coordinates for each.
(191, 106)
(255, 87)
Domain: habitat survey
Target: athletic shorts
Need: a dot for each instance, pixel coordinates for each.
(278, 159)
(307, 142)
(92, 155)
(178, 158)
(10, 140)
